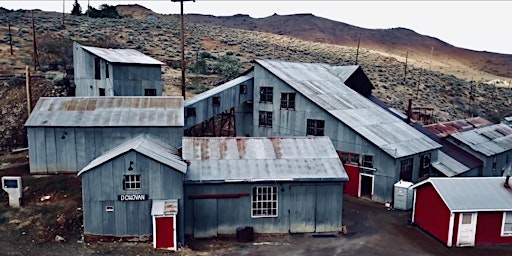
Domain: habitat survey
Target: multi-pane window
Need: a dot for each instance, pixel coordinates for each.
(264, 201)
(368, 161)
(97, 68)
(265, 119)
(149, 92)
(506, 228)
(287, 100)
(266, 94)
(315, 127)
(216, 101)
(406, 169)
(132, 182)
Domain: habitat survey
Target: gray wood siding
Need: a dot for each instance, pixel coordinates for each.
(69, 149)
(124, 79)
(229, 98)
(318, 206)
(102, 185)
(344, 138)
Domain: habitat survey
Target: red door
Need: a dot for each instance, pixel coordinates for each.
(165, 232)
(352, 185)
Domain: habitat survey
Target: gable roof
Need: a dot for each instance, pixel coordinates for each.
(107, 111)
(321, 84)
(251, 159)
(472, 194)
(125, 56)
(489, 140)
(146, 145)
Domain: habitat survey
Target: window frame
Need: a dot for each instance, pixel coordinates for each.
(286, 102)
(243, 89)
(408, 171)
(266, 94)
(313, 125)
(102, 92)
(107, 73)
(97, 68)
(504, 222)
(191, 112)
(265, 116)
(267, 204)
(216, 101)
(136, 183)
(364, 161)
(147, 90)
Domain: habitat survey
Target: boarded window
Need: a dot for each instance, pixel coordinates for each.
(406, 169)
(149, 92)
(97, 68)
(315, 127)
(264, 201)
(132, 182)
(288, 101)
(191, 112)
(101, 91)
(266, 94)
(265, 119)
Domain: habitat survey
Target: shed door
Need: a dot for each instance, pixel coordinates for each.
(165, 232)
(467, 229)
(205, 217)
(302, 209)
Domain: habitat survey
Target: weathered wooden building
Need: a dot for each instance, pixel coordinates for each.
(464, 211)
(66, 133)
(123, 187)
(115, 72)
(491, 144)
(275, 185)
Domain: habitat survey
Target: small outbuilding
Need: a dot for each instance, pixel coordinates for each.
(272, 185)
(464, 211)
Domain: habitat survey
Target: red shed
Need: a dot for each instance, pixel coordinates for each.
(464, 211)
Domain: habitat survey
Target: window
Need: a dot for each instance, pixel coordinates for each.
(243, 89)
(132, 182)
(264, 201)
(97, 68)
(101, 91)
(149, 92)
(106, 70)
(216, 101)
(506, 227)
(494, 163)
(191, 112)
(265, 119)
(368, 161)
(288, 101)
(425, 166)
(315, 127)
(266, 94)
(406, 169)
(425, 161)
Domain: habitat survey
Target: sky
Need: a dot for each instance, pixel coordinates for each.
(475, 25)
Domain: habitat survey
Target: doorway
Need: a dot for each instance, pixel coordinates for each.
(366, 185)
(467, 229)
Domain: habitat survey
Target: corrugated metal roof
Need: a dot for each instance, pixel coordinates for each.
(489, 140)
(448, 165)
(473, 194)
(218, 89)
(320, 84)
(127, 56)
(146, 145)
(262, 159)
(446, 128)
(108, 111)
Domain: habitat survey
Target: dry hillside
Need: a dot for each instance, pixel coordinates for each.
(440, 83)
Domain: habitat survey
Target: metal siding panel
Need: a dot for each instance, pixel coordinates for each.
(121, 223)
(88, 216)
(329, 208)
(107, 222)
(205, 218)
(106, 181)
(81, 155)
(233, 213)
(302, 205)
(61, 150)
(144, 221)
(71, 152)
(96, 213)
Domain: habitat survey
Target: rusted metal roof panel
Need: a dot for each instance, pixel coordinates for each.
(107, 111)
(146, 145)
(460, 195)
(446, 128)
(125, 56)
(321, 84)
(489, 140)
(261, 159)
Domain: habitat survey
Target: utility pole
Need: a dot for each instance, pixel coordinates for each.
(88, 8)
(470, 93)
(183, 66)
(27, 86)
(63, 10)
(405, 68)
(430, 63)
(418, 85)
(358, 43)
(10, 35)
(34, 44)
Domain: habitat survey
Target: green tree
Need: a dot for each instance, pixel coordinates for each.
(77, 9)
(228, 67)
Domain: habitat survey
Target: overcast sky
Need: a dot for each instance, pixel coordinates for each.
(475, 25)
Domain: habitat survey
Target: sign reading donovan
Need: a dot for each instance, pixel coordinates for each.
(139, 197)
